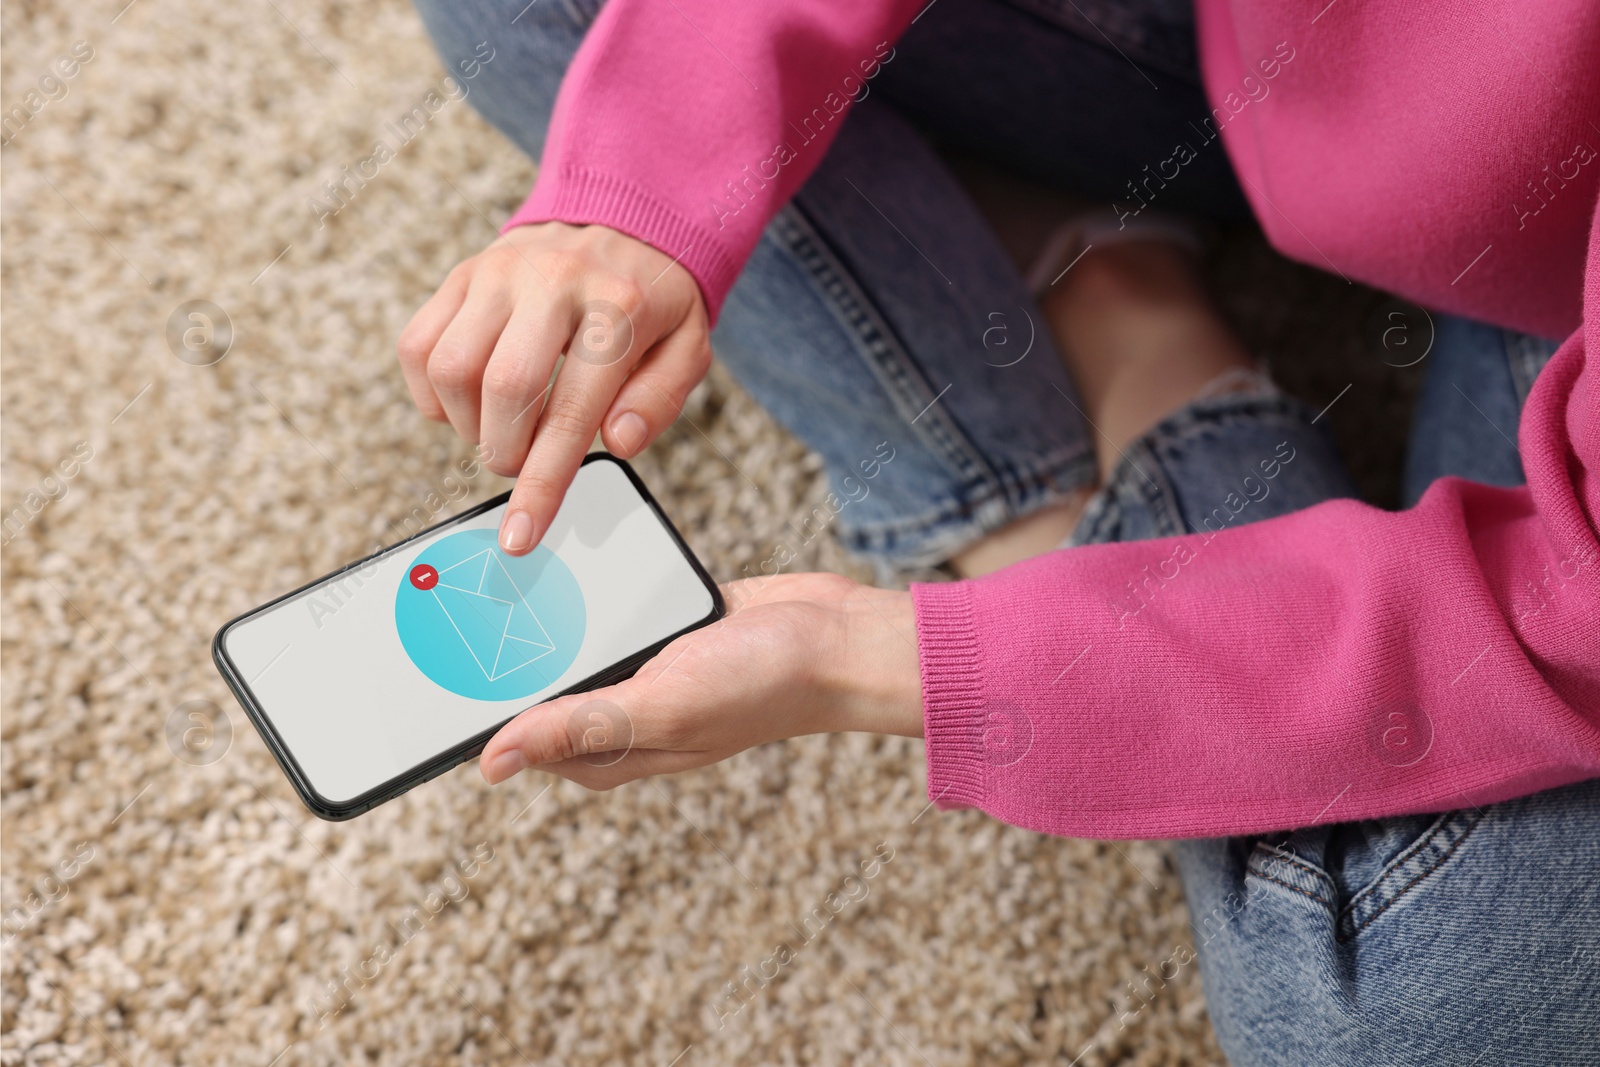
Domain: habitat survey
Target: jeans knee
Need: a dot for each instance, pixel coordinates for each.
(509, 56)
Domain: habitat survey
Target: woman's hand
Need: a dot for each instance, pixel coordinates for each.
(797, 654)
(480, 353)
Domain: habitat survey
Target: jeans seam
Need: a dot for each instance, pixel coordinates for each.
(1345, 913)
(1036, 483)
(1104, 511)
(1182, 67)
(1422, 841)
(1526, 356)
(1160, 499)
(1195, 418)
(894, 367)
(1295, 861)
(1308, 894)
(1316, 873)
(583, 19)
(983, 494)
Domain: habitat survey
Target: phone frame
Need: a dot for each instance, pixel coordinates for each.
(335, 811)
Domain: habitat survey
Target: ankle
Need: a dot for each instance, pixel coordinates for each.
(1140, 337)
(1144, 274)
(1032, 535)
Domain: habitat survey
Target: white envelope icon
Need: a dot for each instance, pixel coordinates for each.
(490, 613)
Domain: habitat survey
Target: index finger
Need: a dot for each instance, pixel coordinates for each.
(583, 391)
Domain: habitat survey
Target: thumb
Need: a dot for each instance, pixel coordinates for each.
(593, 727)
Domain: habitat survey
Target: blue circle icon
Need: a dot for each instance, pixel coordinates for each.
(486, 625)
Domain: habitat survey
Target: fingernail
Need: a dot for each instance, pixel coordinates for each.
(517, 533)
(509, 763)
(629, 430)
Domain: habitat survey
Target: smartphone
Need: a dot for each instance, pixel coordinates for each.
(402, 665)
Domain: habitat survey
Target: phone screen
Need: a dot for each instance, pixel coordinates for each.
(375, 671)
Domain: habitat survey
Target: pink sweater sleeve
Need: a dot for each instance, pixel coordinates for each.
(1343, 662)
(1339, 663)
(1335, 664)
(689, 123)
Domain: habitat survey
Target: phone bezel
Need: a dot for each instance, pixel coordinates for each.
(335, 811)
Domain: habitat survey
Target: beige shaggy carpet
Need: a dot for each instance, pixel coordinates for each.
(167, 911)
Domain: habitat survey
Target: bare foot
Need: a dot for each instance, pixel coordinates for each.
(1140, 337)
(1032, 535)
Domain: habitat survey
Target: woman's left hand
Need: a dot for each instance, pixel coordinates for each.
(796, 654)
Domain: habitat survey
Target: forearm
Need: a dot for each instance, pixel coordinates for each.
(687, 125)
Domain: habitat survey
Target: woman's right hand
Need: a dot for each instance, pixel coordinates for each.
(796, 654)
(480, 352)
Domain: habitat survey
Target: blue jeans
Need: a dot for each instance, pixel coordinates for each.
(880, 309)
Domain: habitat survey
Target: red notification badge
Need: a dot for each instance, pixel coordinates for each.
(424, 577)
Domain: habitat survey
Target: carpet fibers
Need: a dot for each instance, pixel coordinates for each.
(166, 910)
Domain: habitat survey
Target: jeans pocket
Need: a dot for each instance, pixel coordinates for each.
(1407, 872)
(1284, 868)
(1359, 871)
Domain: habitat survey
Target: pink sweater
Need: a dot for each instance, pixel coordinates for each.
(1339, 663)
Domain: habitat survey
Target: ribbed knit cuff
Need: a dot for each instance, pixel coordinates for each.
(953, 703)
(582, 197)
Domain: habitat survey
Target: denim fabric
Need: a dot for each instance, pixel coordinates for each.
(1466, 420)
(1217, 463)
(879, 309)
(1088, 97)
(1469, 937)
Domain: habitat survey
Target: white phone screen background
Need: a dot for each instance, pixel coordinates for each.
(330, 670)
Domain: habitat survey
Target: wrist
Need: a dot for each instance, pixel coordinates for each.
(874, 676)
